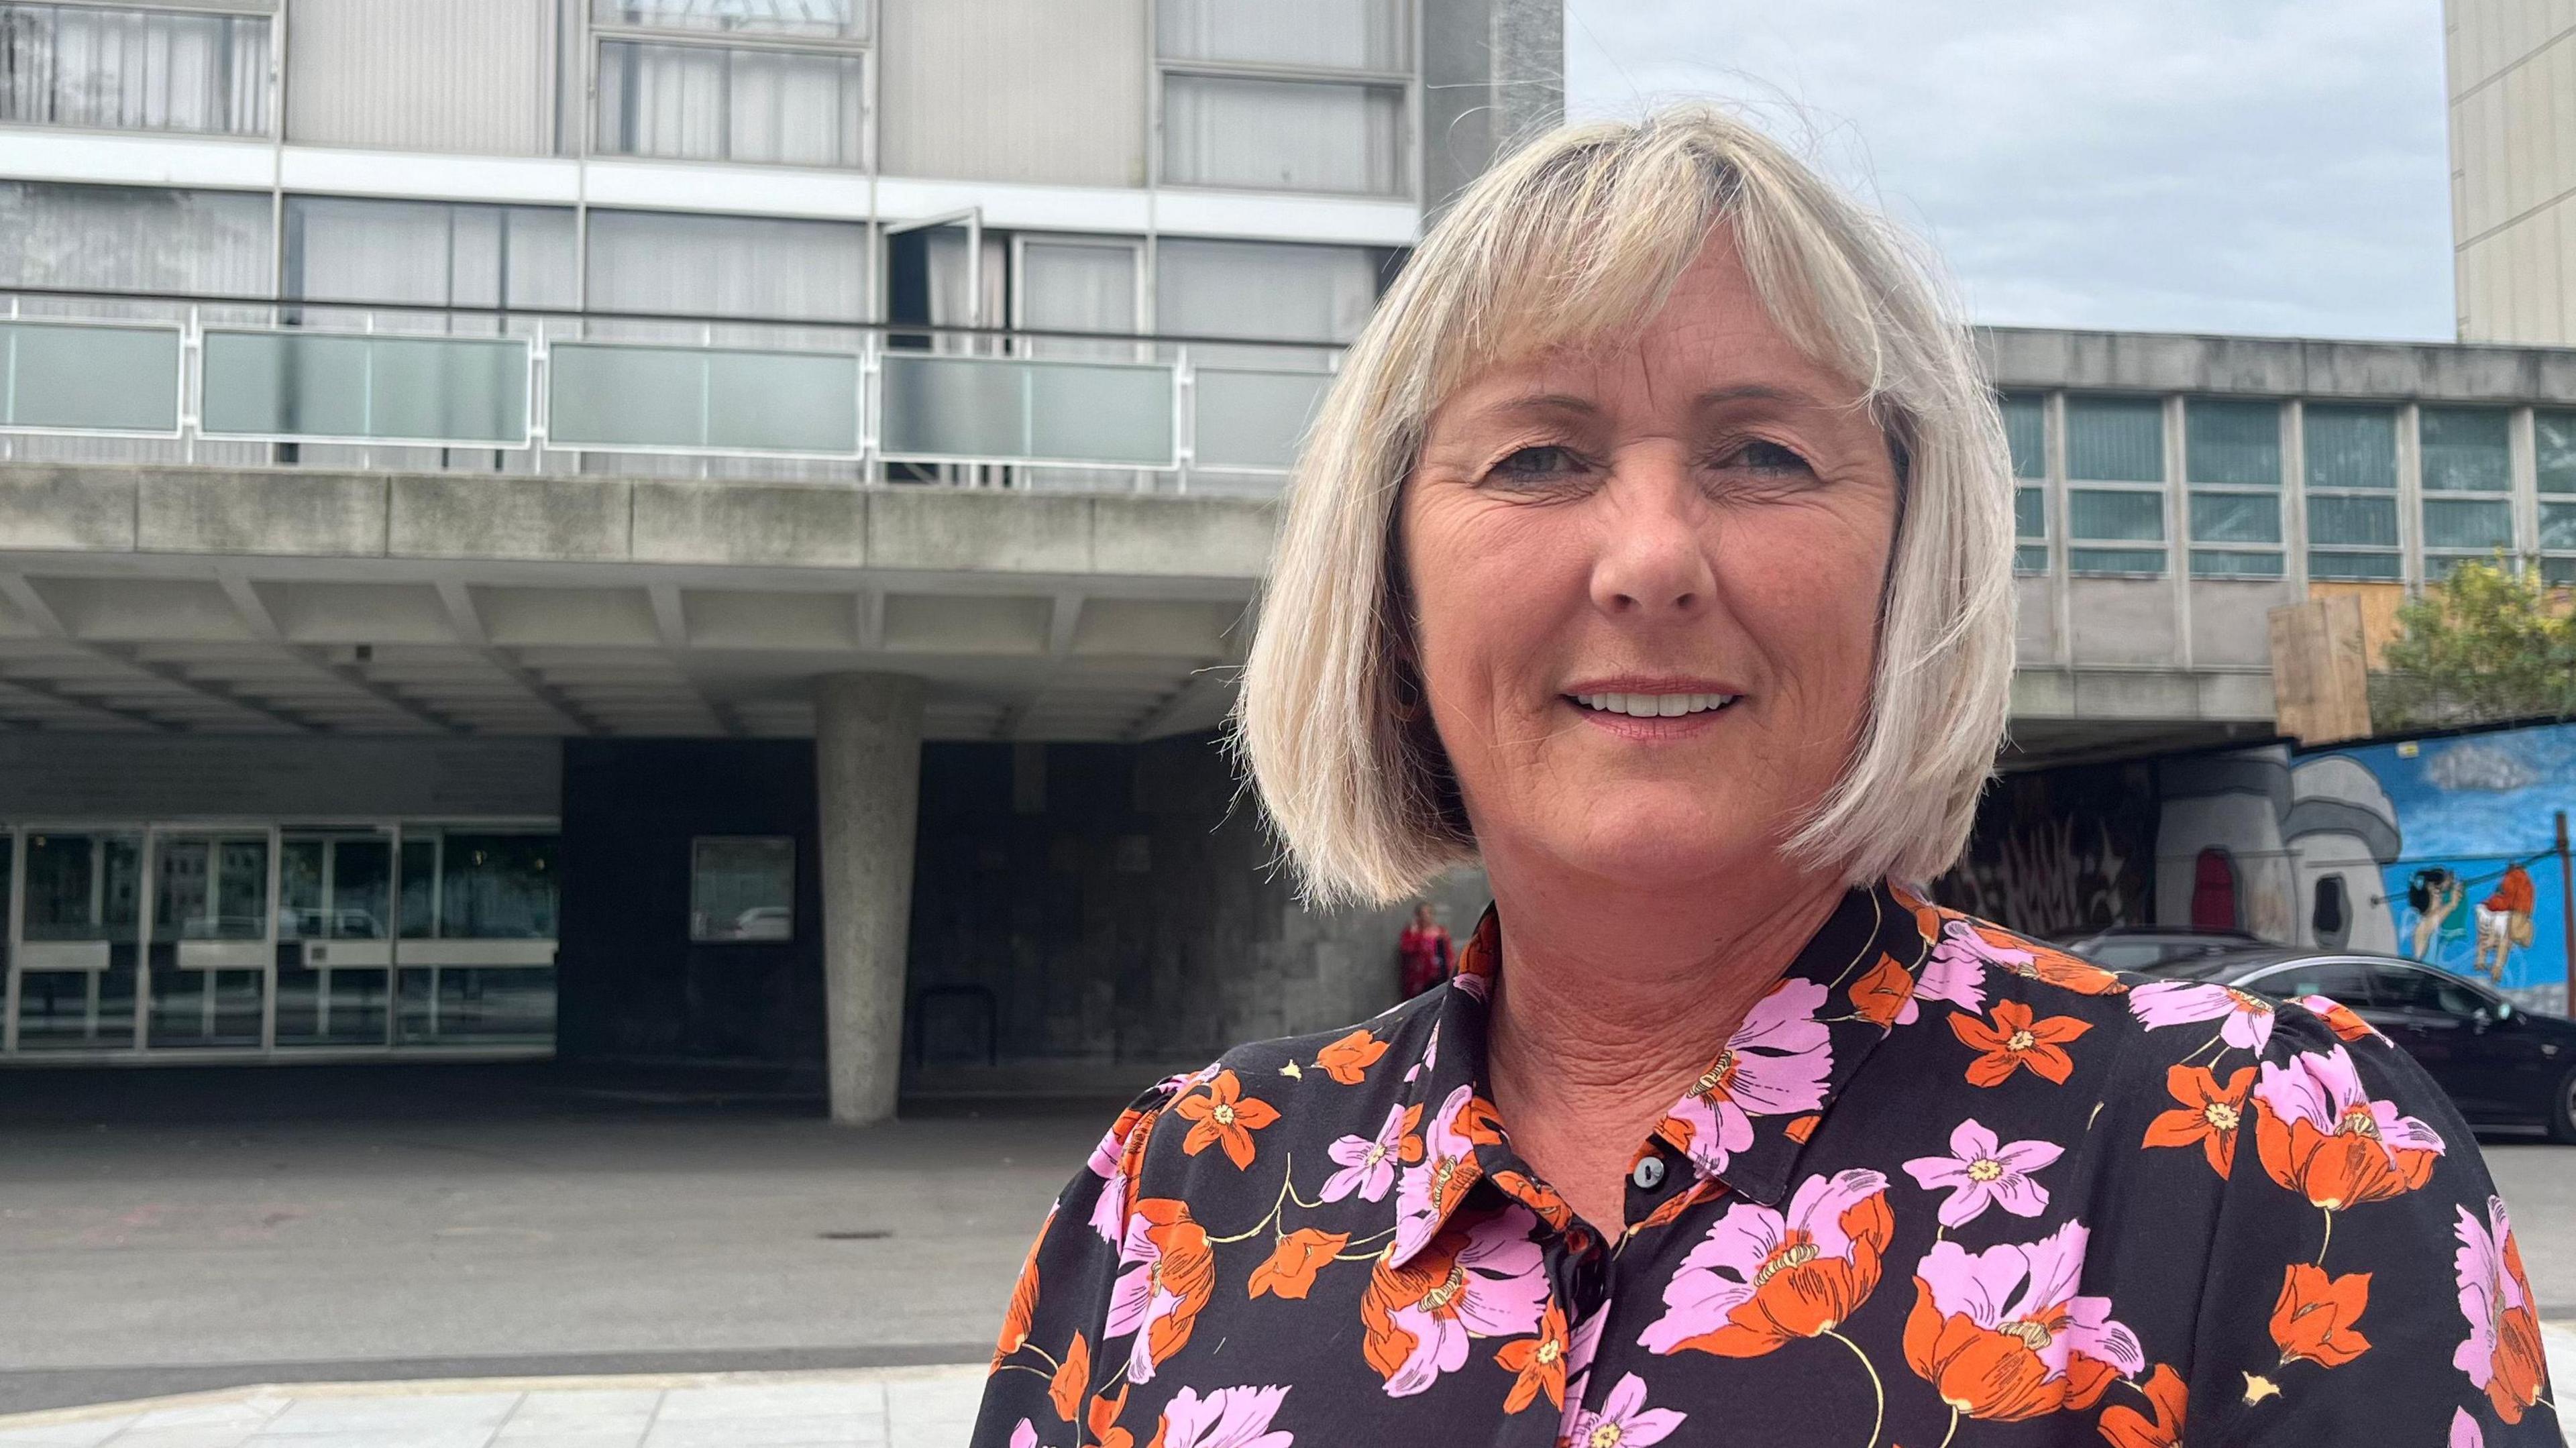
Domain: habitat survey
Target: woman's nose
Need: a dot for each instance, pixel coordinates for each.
(1653, 560)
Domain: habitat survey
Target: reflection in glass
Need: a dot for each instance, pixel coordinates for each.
(742, 888)
(468, 1005)
(497, 887)
(334, 899)
(207, 956)
(84, 893)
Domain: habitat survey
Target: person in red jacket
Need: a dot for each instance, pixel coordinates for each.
(1425, 953)
(2504, 921)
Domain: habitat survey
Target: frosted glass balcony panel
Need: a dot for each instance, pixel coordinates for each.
(459, 390)
(109, 379)
(1253, 419)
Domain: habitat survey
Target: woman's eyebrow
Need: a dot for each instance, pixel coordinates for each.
(1755, 392)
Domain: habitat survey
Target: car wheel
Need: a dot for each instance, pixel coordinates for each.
(2560, 1114)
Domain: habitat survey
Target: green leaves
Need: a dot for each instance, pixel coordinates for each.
(2491, 642)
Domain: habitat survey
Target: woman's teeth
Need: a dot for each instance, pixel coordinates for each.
(1654, 706)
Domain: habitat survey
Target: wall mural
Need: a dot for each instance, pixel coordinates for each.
(2060, 853)
(2441, 850)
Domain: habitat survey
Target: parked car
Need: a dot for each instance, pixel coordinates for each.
(2143, 947)
(2502, 1065)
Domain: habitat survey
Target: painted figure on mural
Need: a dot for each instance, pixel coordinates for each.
(2435, 893)
(2504, 921)
(1424, 952)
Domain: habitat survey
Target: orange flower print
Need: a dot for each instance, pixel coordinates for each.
(2314, 1316)
(1168, 1274)
(2209, 1113)
(1964, 938)
(2502, 1353)
(1764, 1279)
(1292, 1265)
(1884, 993)
(2126, 1427)
(1927, 916)
(1479, 1276)
(1224, 1117)
(1348, 1059)
(1536, 1195)
(2002, 1336)
(2320, 1134)
(1103, 1419)
(1024, 1300)
(2012, 1039)
(1538, 1363)
(2340, 1018)
(1072, 1375)
(1801, 1128)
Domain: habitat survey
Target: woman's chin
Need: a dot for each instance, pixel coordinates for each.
(1644, 846)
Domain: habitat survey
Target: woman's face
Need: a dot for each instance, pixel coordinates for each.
(1645, 586)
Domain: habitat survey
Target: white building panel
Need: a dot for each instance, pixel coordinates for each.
(460, 75)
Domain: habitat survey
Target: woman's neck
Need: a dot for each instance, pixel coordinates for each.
(1610, 1002)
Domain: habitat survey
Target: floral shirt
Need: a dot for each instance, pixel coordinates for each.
(1943, 1187)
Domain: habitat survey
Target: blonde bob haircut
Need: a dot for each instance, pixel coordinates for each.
(1577, 238)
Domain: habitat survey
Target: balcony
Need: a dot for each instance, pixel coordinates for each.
(134, 377)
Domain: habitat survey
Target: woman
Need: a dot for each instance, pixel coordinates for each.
(1422, 953)
(1653, 550)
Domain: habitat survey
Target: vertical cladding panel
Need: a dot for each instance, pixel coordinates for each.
(1043, 91)
(472, 76)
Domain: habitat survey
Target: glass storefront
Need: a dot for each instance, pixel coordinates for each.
(217, 941)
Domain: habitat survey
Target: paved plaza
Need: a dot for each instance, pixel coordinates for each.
(423, 1257)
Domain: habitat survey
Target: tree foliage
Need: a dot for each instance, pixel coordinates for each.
(2491, 642)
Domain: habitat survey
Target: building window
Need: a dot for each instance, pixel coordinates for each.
(2115, 497)
(796, 95)
(1262, 96)
(2468, 480)
(2026, 433)
(2351, 492)
(2553, 435)
(118, 69)
(2232, 464)
(742, 887)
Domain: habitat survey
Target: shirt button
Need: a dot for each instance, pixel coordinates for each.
(1649, 1174)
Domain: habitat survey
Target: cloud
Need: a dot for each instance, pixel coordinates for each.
(2254, 166)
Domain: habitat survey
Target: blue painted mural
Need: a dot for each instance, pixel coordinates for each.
(2442, 849)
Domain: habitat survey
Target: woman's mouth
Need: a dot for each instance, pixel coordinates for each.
(1653, 706)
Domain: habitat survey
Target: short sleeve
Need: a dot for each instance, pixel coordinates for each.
(2365, 1285)
(1046, 1363)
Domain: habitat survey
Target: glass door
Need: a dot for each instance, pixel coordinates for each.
(334, 937)
(79, 936)
(476, 961)
(212, 943)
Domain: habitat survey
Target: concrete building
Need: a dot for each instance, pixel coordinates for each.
(2511, 67)
(718, 529)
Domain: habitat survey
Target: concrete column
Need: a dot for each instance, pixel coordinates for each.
(867, 769)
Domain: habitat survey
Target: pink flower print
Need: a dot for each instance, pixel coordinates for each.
(1762, 1279)
(2502, 1354)
(1430, 1187)
(1430, 1054)
(1226, 1418)
(1581, 1347)
(1496, 1288)
(1624, 1420)
(1776, 1064)
(1109, 1210)
(1368, 1165)
(1025, 1435)
(1474, 987)
(2247, 1019)
(1955, 971)
(2001, 1335)
(1982, 1171)
(2465, 1432)
(2319, 1133)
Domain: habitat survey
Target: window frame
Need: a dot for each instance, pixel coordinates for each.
(2277, 550)
(2310, 490)
(2030, 550)
(2161, 490)
(2440, 559)
(2557, 565)
(268, 83)
(697, 936)
(861, 47)
(1404, 80)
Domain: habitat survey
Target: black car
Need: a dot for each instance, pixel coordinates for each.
(2502, 1065)
(2144, 947)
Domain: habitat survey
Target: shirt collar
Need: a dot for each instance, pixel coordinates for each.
(1776, 1079)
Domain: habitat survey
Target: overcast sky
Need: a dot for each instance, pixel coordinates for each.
(2257, 166)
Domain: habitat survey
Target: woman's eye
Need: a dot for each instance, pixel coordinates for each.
(1767, 457)
(1545, 460)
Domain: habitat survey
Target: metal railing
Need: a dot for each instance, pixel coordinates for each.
(540, 391)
